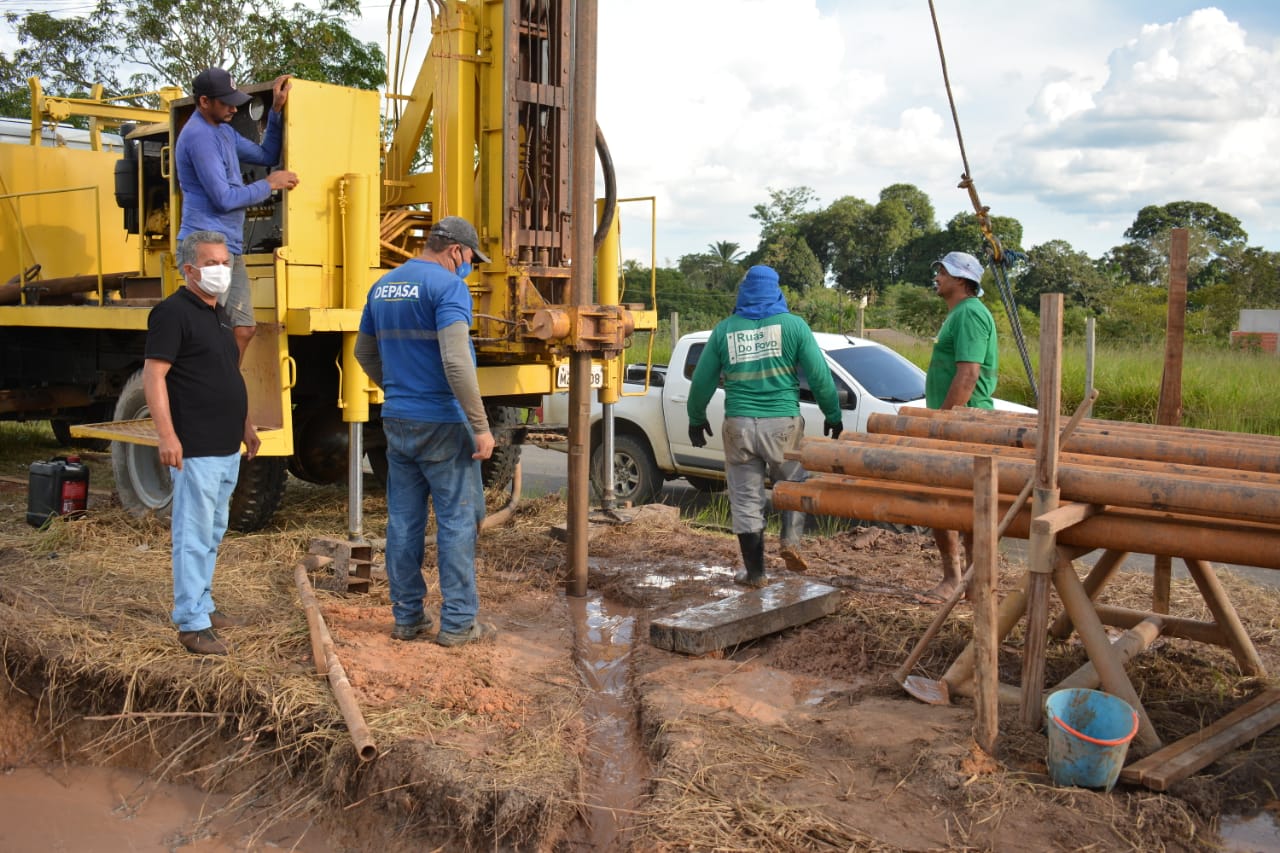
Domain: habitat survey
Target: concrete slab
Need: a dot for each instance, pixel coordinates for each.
(746, 616)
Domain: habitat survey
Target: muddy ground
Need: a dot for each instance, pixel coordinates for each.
(799, 741)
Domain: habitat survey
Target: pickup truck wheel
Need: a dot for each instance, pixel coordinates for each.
(706, 485)
(636, 477)
(142, 482)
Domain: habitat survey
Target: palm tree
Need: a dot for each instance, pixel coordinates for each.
(726, 263)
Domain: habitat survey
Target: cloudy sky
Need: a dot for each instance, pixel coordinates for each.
(1074, 114)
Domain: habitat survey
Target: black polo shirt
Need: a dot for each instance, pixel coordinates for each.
(207, 397)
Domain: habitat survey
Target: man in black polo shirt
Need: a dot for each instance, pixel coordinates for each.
(200, 407)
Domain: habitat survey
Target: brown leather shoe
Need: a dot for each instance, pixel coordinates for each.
(204, 642)
(221, 620)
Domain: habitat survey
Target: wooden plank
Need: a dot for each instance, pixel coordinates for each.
(986, 542)
(746, 616)
(1177, 761)
(1064, 516)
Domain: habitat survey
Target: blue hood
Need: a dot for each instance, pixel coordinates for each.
(759, 295)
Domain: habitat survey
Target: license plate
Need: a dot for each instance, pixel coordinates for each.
(562, 375)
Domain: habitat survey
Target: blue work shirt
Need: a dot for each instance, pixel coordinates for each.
(405, 310)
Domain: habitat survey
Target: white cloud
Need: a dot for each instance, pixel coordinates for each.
(1187, 111)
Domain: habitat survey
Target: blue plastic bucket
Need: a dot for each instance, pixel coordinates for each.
(1089, 734)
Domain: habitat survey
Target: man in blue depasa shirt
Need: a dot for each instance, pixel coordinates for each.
(415, 344)
(214, 195)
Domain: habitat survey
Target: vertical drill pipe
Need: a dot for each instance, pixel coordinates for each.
(357, 247)
(583, 188)
(610, 390)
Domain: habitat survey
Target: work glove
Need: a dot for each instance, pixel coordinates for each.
(696, 437)
(832, 430)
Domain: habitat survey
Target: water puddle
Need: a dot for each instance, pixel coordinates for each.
(1259, 833)
(615, 765)
(123, 811)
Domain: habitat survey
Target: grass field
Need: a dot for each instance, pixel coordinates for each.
(1221, 389)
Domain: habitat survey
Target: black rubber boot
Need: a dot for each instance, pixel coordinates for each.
(752, 547)
(792, 529)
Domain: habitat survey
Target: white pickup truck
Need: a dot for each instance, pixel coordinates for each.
(651, 431)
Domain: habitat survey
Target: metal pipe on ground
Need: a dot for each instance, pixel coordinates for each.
(1218, 454)
(338, 682)
(1116, 528)
(1082, 484)
(1092, 425)
(1109, 463)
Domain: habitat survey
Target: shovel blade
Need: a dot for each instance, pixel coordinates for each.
(927, 690)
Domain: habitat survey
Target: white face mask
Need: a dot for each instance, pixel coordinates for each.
(215, 280)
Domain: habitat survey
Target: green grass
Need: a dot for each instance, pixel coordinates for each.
(1221, 389)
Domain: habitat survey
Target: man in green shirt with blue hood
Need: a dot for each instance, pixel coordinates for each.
(758, 349)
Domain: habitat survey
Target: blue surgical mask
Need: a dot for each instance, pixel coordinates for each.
(464, 270)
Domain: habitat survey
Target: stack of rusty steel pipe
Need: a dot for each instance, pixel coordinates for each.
(1180, 492)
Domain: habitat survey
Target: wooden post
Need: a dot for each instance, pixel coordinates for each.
(1103, 570)
(1089, 350)
(1098, 646)
(1169, 409)
(1215, 597)
(1041, 553)
(986, 538)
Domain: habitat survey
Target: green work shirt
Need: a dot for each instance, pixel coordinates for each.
(968, 334)
(758, 359)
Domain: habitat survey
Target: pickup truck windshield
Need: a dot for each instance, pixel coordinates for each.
(882, 372)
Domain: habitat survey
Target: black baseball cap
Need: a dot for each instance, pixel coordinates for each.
(458, 230)
(216, 83)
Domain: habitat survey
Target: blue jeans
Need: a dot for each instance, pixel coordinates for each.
(201, 505)
(432, 460)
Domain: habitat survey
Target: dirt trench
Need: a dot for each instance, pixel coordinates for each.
(799, 741)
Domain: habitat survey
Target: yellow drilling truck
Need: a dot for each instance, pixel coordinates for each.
(88, 238)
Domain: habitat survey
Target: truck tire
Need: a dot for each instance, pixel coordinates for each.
(142, 482)
(144, 486)
(636, 477)
(258, 492)
(706, 485)
(496, 471)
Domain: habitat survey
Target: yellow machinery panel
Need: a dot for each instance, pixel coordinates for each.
(54, 199)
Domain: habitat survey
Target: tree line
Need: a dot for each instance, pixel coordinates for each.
(830, 258)
(130, 46)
